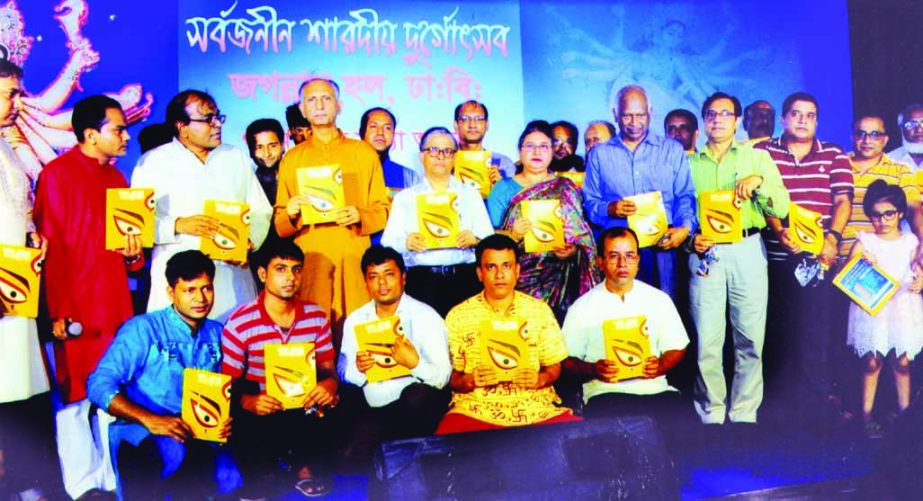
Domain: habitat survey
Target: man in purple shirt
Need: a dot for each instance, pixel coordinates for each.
(635, 162)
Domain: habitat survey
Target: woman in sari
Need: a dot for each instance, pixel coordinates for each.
(558, 277)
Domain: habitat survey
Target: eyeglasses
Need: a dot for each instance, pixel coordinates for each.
(543, 147)
(468, 119)
(912, 124)
(211, 119)
(712, 114)
(874, 135)
(614, 258)
(437, 152)
(887, 215)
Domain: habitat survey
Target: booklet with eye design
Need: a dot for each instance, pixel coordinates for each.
(720, 216)
(503, 345)
(129, 211)
(628, 344)
(20, 279)
(206, 403)
(547, 233)
(232, 240)
(290, 372)
(377, 339)
(472, 169)
(806, 227)
(323, 185)
(439, 220)
(649, 221)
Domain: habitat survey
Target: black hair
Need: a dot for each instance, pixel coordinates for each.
(282, 249)
(738, 111)
(90, 113)
(295, 118)
(470, 102)
(536, 126)
(378, 254)
(436, 130)
(9, 69)
(614, 232)
(799, 96)
(881, 191)
(572, 133)
(154, 135)
(497, 241)
(685, 114)
(364, 121)
(189, 265)
(263, 125)
(176, 108)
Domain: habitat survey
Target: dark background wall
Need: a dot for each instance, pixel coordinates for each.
(886, 38)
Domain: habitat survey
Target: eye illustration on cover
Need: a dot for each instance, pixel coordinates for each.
(806, 233)
(226, 237)
(738, 203)
(338, 176)
(544, 231)
(721, 222)
(437, 225)
(38, 263)
(245, 217)
(127, 223)
(650, 225)
(150, 202)
(14, 289)
(503, 355)
(381, 354)
(205, 410)
(321, 199)
(470, 178)
(628, 353)
(291, 382)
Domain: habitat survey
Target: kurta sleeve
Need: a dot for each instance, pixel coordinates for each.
(261, 211)
(50, 214)
(374, 215)
(346, 362)
(684, 201)
(399, 222)
(288, 188)
(145, 175)
(125, 356)
(434, 367)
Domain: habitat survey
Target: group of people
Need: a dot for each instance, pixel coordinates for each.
(120, 376)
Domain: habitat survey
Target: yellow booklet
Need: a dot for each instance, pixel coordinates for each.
(129, 211)
(323, 185)
(377, 338)
(503, 345)
(628, 343)
(866, 284)
(20, 276)
(575, 176)
(472, 169)
(439, 220)
(232, 240)
(650, 219)
(720, 216)
(290, 372)
(806, 228)
(547, 232)
(206, 403)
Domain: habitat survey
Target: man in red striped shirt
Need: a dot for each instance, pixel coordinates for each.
(801, 328)
(264, 431)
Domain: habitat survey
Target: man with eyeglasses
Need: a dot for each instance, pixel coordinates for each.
(333, 276)
(471, 125)
(196, 166)
(621, 297)
(869, 163)
(910, 120)
(682, 126)
(442, 277)
(731, 275)
(635, 162)
(801, 303)
(759, 121)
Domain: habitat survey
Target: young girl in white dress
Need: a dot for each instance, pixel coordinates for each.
(897, 326)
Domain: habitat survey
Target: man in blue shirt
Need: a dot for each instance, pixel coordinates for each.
(636, 162)
(140, 381)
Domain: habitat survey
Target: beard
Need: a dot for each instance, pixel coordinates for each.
(912, 148)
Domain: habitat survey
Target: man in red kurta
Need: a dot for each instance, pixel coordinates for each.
(84, 282)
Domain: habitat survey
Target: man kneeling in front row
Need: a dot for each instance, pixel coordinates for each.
(506, 350)
(140, 381)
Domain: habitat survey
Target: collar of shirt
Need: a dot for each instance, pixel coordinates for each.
(176, 322)
(265, 318)
(649, 138)
(339, 138)
(781, 143)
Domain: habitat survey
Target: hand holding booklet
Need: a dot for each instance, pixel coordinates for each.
(866, 284)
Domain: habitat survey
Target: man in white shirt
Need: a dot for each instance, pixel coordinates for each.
(186, 172)
(441, 278)
(405, 406)
(620, 296)
(910, 120)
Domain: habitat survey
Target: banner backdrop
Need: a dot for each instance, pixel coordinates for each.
(524, 59)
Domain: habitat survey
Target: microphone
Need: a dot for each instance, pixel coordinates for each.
(73, 329)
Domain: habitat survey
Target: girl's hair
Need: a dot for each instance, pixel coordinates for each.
(881, 191)
(540, 126)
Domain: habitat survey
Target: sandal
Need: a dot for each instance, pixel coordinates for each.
(313, 487)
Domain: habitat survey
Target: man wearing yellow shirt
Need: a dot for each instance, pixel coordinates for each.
(333, 277)
(732, 275)
(869, 163)
(480, 401)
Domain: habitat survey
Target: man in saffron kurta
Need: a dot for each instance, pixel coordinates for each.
(333, 251)
(84, 282)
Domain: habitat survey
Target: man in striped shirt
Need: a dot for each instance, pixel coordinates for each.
(818, 177)
(264, 431)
